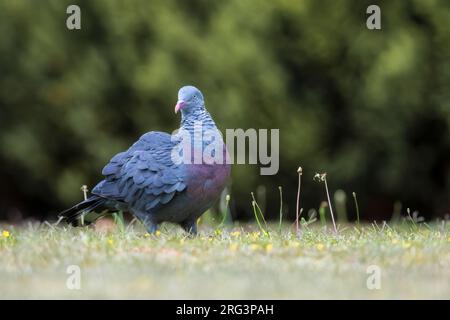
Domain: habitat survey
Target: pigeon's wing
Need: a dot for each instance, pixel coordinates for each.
(144, 175)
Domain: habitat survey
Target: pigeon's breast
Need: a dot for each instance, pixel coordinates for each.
(207, 181)
(205, 184)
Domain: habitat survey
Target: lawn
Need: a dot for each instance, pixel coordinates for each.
(240, 261)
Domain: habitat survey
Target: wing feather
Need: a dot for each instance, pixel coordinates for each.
(144, 175)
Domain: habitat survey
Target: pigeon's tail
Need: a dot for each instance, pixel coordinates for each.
(87, 211)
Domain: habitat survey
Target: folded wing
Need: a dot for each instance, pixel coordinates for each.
(144, 176)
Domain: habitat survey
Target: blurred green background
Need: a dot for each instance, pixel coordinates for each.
(371, 108)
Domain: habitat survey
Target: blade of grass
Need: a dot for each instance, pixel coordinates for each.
(322, 214)
(281, 209)
(225, 214)
(260, 211)
(256, 217)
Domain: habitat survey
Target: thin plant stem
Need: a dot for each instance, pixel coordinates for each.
(329, 204)
(357, 207)
(297, 213)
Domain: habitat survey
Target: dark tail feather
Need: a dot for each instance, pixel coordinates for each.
(94, 204)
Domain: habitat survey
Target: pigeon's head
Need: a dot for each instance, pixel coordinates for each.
(189, 99)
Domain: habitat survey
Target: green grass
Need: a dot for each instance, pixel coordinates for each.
(234, 263)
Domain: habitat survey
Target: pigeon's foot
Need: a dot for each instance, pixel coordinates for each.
(190, 226)
(151, 227)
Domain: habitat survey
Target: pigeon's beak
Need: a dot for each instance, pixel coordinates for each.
(180, 105)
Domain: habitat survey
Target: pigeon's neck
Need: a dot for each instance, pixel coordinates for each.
(196, 119)
(205, 140)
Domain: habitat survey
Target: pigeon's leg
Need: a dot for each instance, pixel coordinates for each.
(190, 226)
(150, 225)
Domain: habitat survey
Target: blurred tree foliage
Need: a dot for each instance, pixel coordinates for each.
(371, 108)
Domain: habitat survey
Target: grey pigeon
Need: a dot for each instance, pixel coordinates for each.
(146, 181)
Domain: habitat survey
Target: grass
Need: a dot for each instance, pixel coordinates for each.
(238, 262)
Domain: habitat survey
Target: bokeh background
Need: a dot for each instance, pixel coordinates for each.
(371, 108)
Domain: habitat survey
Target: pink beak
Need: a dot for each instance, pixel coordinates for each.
(180, 105)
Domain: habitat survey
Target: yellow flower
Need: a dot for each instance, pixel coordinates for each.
(5, 234)
(406, 245)
(157, 234)
(294, 244)
(269, 247)
(254, 247)
(394, 241)
(218, 232)
(233, 247)
(320, 247)
(110, 242)
(181, 241)
(448, 239)
(235, 233)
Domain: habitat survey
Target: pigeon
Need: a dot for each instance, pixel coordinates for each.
(163, 177)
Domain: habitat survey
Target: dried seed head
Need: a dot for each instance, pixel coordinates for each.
(300, 170)
(85, 190)
(227, 197)
(320, 177)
